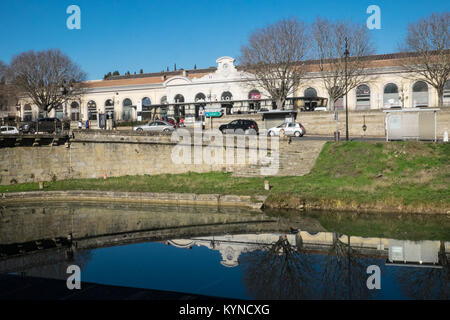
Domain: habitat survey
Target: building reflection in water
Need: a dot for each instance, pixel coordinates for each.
(328, 265)
(272, 264)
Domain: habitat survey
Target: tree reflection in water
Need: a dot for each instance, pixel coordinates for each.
(426, 282)
(278, 271)
(344, 272)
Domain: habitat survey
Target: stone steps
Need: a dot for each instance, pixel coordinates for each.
(295, 159)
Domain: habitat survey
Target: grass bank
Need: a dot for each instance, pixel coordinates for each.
(355, 176)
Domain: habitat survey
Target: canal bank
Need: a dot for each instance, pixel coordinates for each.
(409, 177)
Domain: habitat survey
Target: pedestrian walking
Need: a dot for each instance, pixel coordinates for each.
(87, 124)
(80, 124)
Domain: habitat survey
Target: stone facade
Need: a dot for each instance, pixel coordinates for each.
(228, 87)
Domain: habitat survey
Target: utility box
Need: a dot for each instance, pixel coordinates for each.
(411, 124)
(274, 118)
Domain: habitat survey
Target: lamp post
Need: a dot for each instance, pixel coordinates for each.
(18, 108)
(346, 53)
(65, 91)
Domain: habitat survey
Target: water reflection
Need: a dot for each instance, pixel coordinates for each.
(329, 265)
(213, 251)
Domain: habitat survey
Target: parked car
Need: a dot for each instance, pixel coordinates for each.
(155, 126)
(287, 128)
(8, 130)
(240, 126)
(46, 125)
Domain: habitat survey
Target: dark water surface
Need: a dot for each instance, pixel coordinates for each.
(229, 252)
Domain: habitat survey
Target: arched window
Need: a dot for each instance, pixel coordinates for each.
(447, 93)
(420, 94)
(226, 96)
(74, 111)
(27, 113)
(228, 104)
(179, 111)
(254, 95)
(127, 109)
(146, 102)
(109, 103)
(362, 97)
(92, 110)
(109, 109)
(254, 105)
(179, 98)
(199, 97)
(391, 97)
(163, 110)
(310, 93)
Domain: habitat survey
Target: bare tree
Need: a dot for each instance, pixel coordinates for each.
(329, 45)
(39, 76)
(428, 41)
(8, 97)
(278, 271)
(274, 56)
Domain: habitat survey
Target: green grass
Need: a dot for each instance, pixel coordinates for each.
(396, 174)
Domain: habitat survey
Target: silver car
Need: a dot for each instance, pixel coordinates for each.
(9, 130)
(155, 126)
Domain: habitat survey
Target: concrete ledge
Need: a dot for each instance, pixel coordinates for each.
(252, 202)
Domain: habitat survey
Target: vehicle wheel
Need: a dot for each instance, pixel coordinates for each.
(166, 130)
(251, 132)
(271, 133)
(139, 129)
(297, 134)
(31, 131)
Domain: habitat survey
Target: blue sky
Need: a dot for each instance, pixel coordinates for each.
(154, 34)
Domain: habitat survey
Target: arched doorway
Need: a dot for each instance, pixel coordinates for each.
(420, 94)
(92, 110)
(127, 109)
(163, 110)
(255, 104)
(109, 109)
(146, 108)
(74, 111)
(363, 97)
(27, 113)
(390, 96)
(227, 103)
(310, 102)
(179, 110)
(200, 98)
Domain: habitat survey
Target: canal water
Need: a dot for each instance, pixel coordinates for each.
(231, 252)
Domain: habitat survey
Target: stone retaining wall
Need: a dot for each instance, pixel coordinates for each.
(94, 154)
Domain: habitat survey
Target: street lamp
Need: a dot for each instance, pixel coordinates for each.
(18, 108)
(65, 91)
(346, 53)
